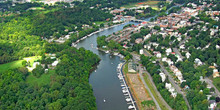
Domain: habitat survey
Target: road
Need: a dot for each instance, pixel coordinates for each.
(177, 52)
(148, 89)
(208, 81)
(183, 41)
(147, 53)
(141, 71)
(178, 89)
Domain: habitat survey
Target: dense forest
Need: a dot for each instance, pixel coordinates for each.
(21, 36)
(68, 88)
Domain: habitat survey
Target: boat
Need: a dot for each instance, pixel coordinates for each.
(122, 85)
(131, 107)
(124, 91)
(104, 101)
(107, 51)
(126, 94)
(128, 99)
(74, 45)
(115, 54)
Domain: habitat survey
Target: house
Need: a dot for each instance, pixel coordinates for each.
(55, 63)
(158, 55)
(131, 67)
(139, 11)
(147, 37)
(212, 105)
(177, 72)
(168, 51)
(215, 73)
(141, 51)
(198, 62)
(188, 55)
(171, 89)
(186, 87)
(138, 40)
(163, 77)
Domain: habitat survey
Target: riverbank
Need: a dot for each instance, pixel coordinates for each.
(139, 92)
(74, 44)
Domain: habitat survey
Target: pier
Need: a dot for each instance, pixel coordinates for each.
(125, 88)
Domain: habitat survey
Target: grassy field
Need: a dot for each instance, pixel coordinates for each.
(151, 3)
(100, 22)
(11, 65)
(42, 80)
(149, 84)
(216, 82)
(17, 64)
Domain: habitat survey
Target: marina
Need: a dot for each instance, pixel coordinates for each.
(125, 88)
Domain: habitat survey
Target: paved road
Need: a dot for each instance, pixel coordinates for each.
(183, 41)
(207, 80)
(155, 88)
(147, 53)
(178, 52)
(178, 89)
(142, 79)
(141, 71)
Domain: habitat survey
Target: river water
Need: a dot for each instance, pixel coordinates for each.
(104, 79)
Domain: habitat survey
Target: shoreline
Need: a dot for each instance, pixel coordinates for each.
(74, 44)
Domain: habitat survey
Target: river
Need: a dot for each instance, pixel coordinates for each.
(104, 79)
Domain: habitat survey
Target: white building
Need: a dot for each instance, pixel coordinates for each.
(141, 51)
(171, 89)
(198, 62)
(163, 77)
(158, 55)
(188, 55)
(168, 51)
(55, 63)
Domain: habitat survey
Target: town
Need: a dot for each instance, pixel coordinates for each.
(167, 42)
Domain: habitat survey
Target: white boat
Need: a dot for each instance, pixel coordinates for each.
(122, 85)
(128, 99)
(104, 101)
(107, 51)
(126, 94)
(115, 54)
(124, 91)
(131, 107)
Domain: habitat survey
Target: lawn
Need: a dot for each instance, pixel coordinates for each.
(17, 64)
(216, 82)
(42, 80)
(100, 22)
(130, 5)
(11, 65)
(149, 84)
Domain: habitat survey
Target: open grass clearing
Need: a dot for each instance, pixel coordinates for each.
(100, 22)
(42, 80)
(18, 63)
